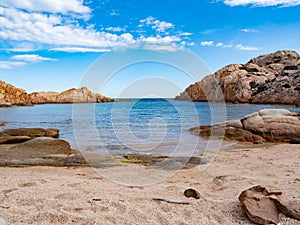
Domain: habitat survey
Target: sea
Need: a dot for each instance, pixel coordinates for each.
(145, 126)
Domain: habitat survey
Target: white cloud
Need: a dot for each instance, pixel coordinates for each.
(31, 58)
(78, 49)
(22, 60)
(35, 30)
(222, 45)
(160, 43)
(158, 40)
(16, 25)
(246, 48)
(159, 26)
(162, 26)
(185, 34)
(249, 30)
(170, 48)
(10, 65)
(114, 13)
(17, 49)
(114, 29)
(51, 6)
(210, 31)
(227, 46)
(147, 20)
(207, 43)
(263, 3)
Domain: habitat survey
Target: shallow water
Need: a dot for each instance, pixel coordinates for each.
(147, 125)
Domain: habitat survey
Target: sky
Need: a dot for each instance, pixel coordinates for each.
(49, 45)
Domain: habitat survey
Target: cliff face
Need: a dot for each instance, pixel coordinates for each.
(10, 95)
(271, 78)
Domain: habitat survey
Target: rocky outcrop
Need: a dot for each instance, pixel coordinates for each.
(43, 97)
(36, 147)
(272, 125)
(271, 78)
(81, 95)
(10, 95)
(263, 206)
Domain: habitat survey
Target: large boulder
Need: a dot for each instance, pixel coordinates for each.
(271, 78)
(40, 151)
(273, 125)
(42, 146)
(227, 133)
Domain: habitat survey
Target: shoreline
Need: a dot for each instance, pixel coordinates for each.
(67, 195)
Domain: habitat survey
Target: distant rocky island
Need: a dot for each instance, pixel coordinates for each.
(267, 79)
(11, 95)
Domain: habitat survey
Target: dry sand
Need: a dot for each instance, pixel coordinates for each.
(52, 195)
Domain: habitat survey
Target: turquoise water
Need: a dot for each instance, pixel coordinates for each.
(146, 125)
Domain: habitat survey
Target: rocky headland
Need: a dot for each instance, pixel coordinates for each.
(267, 79)
(10, 95)
(267, 125)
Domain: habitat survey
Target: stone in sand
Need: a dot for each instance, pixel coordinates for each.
(258, 206)
(192, 193)
(288, 208)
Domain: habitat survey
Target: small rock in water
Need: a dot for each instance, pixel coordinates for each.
(192, 193)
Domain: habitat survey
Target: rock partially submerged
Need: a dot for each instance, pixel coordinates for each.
(267, 125)
(263, 206)
(41, 145)
(36, 147)
(32, 132)
(14, 136)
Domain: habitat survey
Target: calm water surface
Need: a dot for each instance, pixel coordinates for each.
(147, 125)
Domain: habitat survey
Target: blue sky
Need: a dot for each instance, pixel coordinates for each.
(49, 45)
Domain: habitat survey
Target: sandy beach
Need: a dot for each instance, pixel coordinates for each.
(61, 195)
